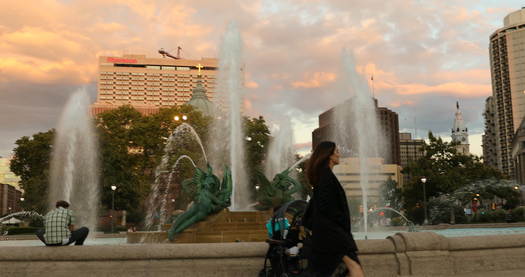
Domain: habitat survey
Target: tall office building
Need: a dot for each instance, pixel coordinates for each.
(410, 149)
(489, 137)
(151, 83)
(460, 133)
(388, 128)
(507, 59)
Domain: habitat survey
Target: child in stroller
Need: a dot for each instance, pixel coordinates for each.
(285, 253)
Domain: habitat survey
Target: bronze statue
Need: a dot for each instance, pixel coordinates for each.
(211, 197)
(275, 193)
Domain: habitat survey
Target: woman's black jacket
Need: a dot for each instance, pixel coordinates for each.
(331, 232)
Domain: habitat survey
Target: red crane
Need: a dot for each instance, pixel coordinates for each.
(165, 53)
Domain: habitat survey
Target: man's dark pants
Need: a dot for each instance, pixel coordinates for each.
(78, 237)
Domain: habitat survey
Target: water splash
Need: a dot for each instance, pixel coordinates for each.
(74, 163)
(164, 173)
(227, 133)
(280, 151)
(300, 161)
(410, 224)
(356, 128)
(22, 213)
(164, 199)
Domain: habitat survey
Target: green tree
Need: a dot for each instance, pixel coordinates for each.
(31, 161)
(132, 146)
(258, 137)
(118, 139)
(445, 170)
(391, 195)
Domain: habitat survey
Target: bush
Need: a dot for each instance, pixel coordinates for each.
(489, 216)
(518, 214)
(21, 230)
(497, 216)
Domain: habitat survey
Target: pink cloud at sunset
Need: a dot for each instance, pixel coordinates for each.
(421, 53)
(315, 80)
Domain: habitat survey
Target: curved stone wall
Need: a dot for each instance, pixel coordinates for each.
(405, 254)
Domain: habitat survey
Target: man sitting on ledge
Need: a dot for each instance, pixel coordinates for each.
(60, 229)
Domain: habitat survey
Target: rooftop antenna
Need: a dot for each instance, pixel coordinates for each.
(373, 88)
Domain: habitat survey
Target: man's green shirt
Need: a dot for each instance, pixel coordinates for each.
(56, 223)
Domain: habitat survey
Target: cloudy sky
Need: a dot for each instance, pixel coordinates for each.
(424, 55)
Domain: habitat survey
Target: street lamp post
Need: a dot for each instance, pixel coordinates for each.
(21, 201)
(113, 188)
(424, 180)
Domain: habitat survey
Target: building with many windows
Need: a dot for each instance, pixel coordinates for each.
(489, 137)
(507, 60)
(10, 199)
(348, 173)
(148, 84)
(388, 129)
(410, 151)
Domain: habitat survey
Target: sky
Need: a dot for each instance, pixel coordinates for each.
(424, 55)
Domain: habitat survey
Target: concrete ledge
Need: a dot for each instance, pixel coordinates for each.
(135, 252)
(486, 242)
(404, 254)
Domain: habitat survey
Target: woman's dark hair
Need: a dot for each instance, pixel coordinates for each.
(319, 159)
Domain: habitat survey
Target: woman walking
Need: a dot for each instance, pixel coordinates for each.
(334, 251)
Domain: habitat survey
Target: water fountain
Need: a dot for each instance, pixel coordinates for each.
(280, 152)
(410, 224)
(227, 125)
(357, 128)
(164, 174)
(74, 162)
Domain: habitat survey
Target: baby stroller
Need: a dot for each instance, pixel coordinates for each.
(285, 256)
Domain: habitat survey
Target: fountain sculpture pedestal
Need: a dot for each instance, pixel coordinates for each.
(225, 226)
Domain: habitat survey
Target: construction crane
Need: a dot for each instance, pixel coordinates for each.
(165, 53)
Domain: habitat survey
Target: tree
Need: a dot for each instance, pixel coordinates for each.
(132, 146)
(445, 169)
(31, 161)
(256, 147)
(391, 195)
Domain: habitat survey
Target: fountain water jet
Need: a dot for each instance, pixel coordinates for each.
(361, 132)
(74, 163)
(161, 184)
(22, 213)
(164, 199)
(300, 161)
(280, 153)
(228, 125)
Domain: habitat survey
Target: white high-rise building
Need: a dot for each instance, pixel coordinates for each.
(507, 64)
(460, 133)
